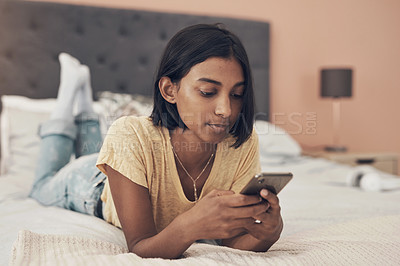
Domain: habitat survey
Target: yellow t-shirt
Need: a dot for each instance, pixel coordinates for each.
(143, 153)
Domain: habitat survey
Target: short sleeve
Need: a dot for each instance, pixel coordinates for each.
(249, 163)
(123, 150)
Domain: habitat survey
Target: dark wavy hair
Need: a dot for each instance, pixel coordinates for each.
(193, 45)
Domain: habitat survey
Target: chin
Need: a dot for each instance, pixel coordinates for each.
(217, 139)
(215, 135)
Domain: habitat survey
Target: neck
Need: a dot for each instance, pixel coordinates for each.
(193, 153)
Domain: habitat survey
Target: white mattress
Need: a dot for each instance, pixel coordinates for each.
(319, 196)
(316, 197)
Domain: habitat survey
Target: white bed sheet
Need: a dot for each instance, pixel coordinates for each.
(316, 197)
(18, 212)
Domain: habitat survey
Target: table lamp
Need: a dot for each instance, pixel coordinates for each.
(336, 83)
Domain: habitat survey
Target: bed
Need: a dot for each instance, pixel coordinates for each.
(327, 221)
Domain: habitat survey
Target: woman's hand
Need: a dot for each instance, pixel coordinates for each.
(271, 224)
(223, 214)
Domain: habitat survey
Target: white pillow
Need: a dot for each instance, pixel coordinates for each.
(274, 140)
(21, 117)
(20, 120)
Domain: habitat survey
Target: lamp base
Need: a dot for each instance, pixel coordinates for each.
(335, 149)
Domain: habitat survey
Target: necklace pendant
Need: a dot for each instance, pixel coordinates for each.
(195, 192)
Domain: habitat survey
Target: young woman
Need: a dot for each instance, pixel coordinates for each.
(173, 178)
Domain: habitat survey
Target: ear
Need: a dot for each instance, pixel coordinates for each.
(167, 89)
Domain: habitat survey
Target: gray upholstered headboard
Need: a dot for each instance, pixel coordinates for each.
(121, 47)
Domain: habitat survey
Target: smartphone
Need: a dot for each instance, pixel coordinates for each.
(274, 182)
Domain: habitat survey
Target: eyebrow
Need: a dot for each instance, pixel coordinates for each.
(219, 83)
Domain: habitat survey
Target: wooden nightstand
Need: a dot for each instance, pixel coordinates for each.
(386, 162)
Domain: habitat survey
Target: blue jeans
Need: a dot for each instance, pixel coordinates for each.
(75, 185)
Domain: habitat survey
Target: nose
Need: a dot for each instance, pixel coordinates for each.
(223, 107)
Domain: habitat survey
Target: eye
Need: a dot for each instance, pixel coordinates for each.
(206, 93)
(237, 95)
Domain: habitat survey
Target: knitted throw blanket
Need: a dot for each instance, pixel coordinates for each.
(374, 241)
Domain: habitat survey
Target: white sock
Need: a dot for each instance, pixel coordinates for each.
(84, 96)
(70, 82)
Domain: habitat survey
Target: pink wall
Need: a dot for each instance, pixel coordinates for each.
(309, 34)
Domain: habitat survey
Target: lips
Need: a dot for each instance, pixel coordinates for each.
(219, 128)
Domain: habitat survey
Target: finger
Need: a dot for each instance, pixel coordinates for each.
(266, 228)
(273, 200)
(242, 222)
(237, 232)
(270, 197)
(263, 217)
(249, 211)
(272, 222)
(240, 200)
(269, 219)
(235, 227)
(218, 193)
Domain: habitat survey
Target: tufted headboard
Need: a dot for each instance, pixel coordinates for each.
(122, 47)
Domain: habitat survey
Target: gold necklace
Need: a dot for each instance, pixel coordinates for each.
(193, 179)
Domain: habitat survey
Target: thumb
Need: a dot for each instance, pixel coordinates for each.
(219, 193)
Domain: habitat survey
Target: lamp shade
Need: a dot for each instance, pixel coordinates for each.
(336, 82)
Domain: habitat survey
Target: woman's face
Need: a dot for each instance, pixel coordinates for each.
(209, 99)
